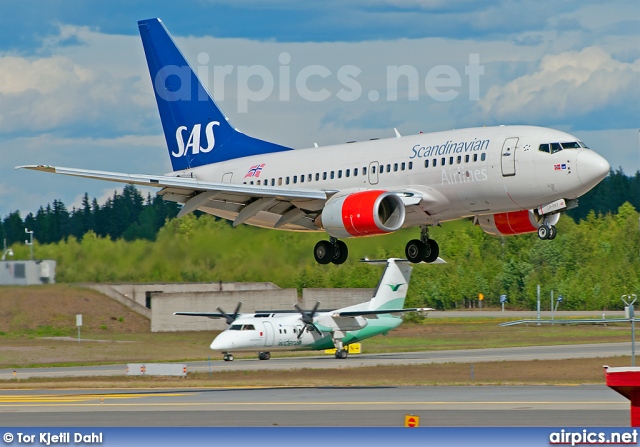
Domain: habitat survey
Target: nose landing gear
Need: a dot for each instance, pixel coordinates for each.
(546, 231)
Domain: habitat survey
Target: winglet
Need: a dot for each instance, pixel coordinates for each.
(397, 133)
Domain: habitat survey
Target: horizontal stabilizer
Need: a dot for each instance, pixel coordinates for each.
(361, 313)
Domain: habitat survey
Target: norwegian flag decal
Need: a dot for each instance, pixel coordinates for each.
(254, 171)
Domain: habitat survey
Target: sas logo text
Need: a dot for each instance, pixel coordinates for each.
(193, 142)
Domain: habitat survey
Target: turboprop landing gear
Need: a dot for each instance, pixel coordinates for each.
(264, 355)
(341, 354)
(333, 250)
(423, 249)
(228, 357)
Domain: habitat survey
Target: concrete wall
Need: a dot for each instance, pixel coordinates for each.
(27, 273)
(163, 305)
(139, 292)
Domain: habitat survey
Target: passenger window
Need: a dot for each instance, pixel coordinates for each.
(311, 177)
(555, 147)
(324, 176)
(317, 176)
(381, 169)
(410, 165)
(443, 161)
(287, 180)
(340, 173)
(355, 172)
(459, 159)
(302, 178)
(483, 157)
(364, 171)
(388, 168)
(544, 148)
(280, 181)
(426, 163)
(475, 157)
(332, 175)
(251, 182)
(373, 170)
(347, 172)
(295, 179)
(466, 158)
(395, 167)
(435, 162)
(273, 182)
(402, 166)
(450, 160)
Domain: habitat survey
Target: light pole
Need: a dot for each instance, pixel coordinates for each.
(8, 251)
(631, 316)
(30, 241)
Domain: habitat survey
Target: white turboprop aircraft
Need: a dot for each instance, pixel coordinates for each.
(266, 331)
(508, 179)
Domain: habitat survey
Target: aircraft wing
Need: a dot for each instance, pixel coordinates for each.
(362, 313)
(289, 208)
(201, 314)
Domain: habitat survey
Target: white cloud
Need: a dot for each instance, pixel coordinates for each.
(565, 85)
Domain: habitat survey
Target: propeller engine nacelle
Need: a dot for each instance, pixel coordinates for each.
(364, 213)
(515, 222)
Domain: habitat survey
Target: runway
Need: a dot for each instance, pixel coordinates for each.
(326, 406)
(558, 352)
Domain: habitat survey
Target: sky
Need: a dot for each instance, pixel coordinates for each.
(75, 90)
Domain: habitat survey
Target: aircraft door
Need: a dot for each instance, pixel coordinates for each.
(269, 333)
(508, 157)
(373, 173)
(226, 178)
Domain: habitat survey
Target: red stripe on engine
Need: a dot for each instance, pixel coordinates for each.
(516, 222)
(357, 213)
(520, 222)
(502, 223)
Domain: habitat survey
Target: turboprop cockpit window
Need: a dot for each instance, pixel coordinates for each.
(248, 327)
(572, 145)
(235, 327)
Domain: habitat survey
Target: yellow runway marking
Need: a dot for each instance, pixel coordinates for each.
(50, 398)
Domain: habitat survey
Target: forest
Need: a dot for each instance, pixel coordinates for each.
(593, 261)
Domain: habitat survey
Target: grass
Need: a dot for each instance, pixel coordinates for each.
(32, 318)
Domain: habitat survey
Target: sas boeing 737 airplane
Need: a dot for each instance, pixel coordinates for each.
(507, 179)
(312, 330)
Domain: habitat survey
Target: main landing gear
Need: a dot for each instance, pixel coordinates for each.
(332, 250)
(228, 357)
(264, 355)
(423, 249)
(341, 352)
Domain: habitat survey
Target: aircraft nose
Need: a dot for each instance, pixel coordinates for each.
(591, 167)
(221, 343)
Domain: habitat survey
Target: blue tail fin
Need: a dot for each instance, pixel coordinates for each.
(197, 131)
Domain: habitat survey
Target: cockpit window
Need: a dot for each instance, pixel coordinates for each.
(555, 147)
(572, 145)
(544, 148)
(235, 327)
(582, 145)
(248, 327)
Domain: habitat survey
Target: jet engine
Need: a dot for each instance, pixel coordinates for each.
(363, 213)
(515, 222)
